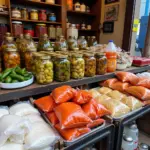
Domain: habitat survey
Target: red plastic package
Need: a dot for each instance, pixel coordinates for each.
(82, 97)
(46, 103)
(63, 94)
(144, 82)
(95, 123)
(109, 82)
(71, 134)
(52, 118)
(139, 92)
(120, 86)
(127, 77)
(70, 115)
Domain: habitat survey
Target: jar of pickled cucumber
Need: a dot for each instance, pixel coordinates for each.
(61, 68)
(90, 64)
(77, 66)
(28, 58)
(11, 58)
(43, 69)
(101, 63)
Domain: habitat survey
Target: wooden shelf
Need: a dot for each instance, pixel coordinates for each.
(3, 14)
(87, 30)
(81, 13)
(36, 21)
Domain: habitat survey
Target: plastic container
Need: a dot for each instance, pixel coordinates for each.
(127, 143)
(17, 28)
(111, 55)
(141, 61)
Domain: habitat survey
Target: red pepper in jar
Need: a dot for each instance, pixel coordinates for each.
(42, 15)
(40, 29)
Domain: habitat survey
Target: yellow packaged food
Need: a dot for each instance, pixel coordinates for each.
(94, 93)
(116, 95)
(104, 90)
(102, 98)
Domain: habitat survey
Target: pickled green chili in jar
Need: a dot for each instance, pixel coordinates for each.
(61, 68)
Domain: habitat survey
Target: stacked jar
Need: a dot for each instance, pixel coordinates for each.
(17, 28)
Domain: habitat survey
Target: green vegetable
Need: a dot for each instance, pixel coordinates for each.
(17, 77)
(8, 79)
(27, 78)
(1, 76)
(20, 71)
(6, 73)
(14, 81)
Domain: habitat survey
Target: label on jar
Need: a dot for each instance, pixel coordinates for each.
(52, 18)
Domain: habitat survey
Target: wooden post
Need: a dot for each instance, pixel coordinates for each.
(146, 52)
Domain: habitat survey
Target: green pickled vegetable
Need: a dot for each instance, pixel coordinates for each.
(14, 81)
(20, 71)
(6, 73)
(8, 79)
(17, 77)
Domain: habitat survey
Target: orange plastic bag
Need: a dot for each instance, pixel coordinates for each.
(95, 123)
(139, 92)
(119, 86)
(82, 97)
(52, 118)
(70, 115)
(46, 103)
(144, 82)
(71, 134)
(63, 94)
(127, 77)
(109, 82)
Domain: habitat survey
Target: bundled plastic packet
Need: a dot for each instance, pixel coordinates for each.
(95, 123)
(52, 118)
(12, 146)
(132, 102)
(94, 93)
(116, 95)
(4, 110)
(109, 82)
(144, 75)
(102, 98)
(104, 90)
(145, 82)
(34, 118)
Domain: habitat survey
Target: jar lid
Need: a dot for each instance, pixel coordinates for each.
(99, 54)
(41, 24)
(88, 54)
(61, 56)
(77, 55)
(93, 37)
(44, 56)
(9, 38)
(144, 146)
(82, 37)
(32, 49)
(27, 36)
(11, 49)
(7, 34)
(49, 49)
(43, 10)
(127, 139)
(52, 13)
(16, 22)
(34, 10)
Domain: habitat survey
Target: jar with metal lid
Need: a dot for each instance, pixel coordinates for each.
(82, 7)
(42, 15)
(19, 40)
(50, 1)
(82, 43)
(77, 66)
(44, 44)
(61, 44)
(44, 69)
(29, 30)
(11, 58)
(52, 17)
(34, 14)
(143, 146)
(90, 64)
(16, 13)
(77, 6)
(93, 41)
(24, 13)
(87, 9)
(41, 29)
(72, 31)
(17, 28)
(58, 31)
(101, 63)
(89, 27)
(62, 68)
(72, 44)
(52, 32)
(83, 26)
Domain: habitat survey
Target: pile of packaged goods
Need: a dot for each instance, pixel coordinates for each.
(22, 128)
(72, 112)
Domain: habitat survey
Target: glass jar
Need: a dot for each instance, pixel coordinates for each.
(44, 44)
(62, 68)
(92, 41)
(72, 44)
(90, 64)
(70, 4)
(19, 40)
(58, 31)
(72, 31)
(34, 14)
(89, 27)
(28, 58)
(60, 44)
(40, 29)
(17, 28)
(44, 69)
(52, 17)
(29, 30)
(3, 31)
(24, 13)
(52, 32)
(77, 66)
(42, 15)
(83, 8)
(83, 26)
(11, 58)
(87, 9)
(77, 6)
(50, 1)
(101, 63)
(82, 43)
(16, 13)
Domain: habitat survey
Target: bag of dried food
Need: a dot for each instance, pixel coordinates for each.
(109, 82)
(116, 95)
(95, 123)
(52, 118)
(94, 93)
(102, 98)
(144, 82)
(104, 90)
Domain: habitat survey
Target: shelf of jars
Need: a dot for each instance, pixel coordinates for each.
(81, 13)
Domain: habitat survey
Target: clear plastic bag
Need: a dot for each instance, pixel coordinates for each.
(94, 93)
(34, 118)
(4, 110)
(12, 146)
(116, 95)
(102, 98)
(104, 90)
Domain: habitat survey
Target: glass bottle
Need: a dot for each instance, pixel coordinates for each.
(72, 44)
(82, 43)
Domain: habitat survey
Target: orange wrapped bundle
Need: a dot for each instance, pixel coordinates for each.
(95, 123)
(139, 92)
(127, 77)
(109, 82)
(82, 97)
(52, 118)
(71, 134)
(144, 82)
(63, 94)
(46, 103)
(70, 115)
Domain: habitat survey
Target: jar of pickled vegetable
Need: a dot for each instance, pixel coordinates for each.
(101, 63)
(28, 58)
(92, 41)
(34, 14)
(82, 43)
(11, 58)
(77, 66)
(72, 44)
(43, 69)
(40, 29)
(61, 68)
(24, 13)
(90, 64)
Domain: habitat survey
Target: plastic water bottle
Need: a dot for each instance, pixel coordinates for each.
(127, 143)
(143, 146)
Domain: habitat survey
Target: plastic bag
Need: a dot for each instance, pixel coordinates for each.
(116, 95)
(144, 75)
(4, 110)
(132, 102)
(46, 103)
(145, 82)
(127, 77)
(104, 90)
(94, 93)
(40, 136)
(34, 118)
(12, 146)
(109, 82)
(95, 123)
(82, 97)
(52, 118)
(70, 115)
(23, 109)
(48, 148)
(71, 134)
(102, 98)
(63, 94)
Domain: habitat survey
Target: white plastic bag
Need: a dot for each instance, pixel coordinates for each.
(4, 110)
(12, 146)
(23, 109)
(34, 118)
(40, 136)
(48, 148)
